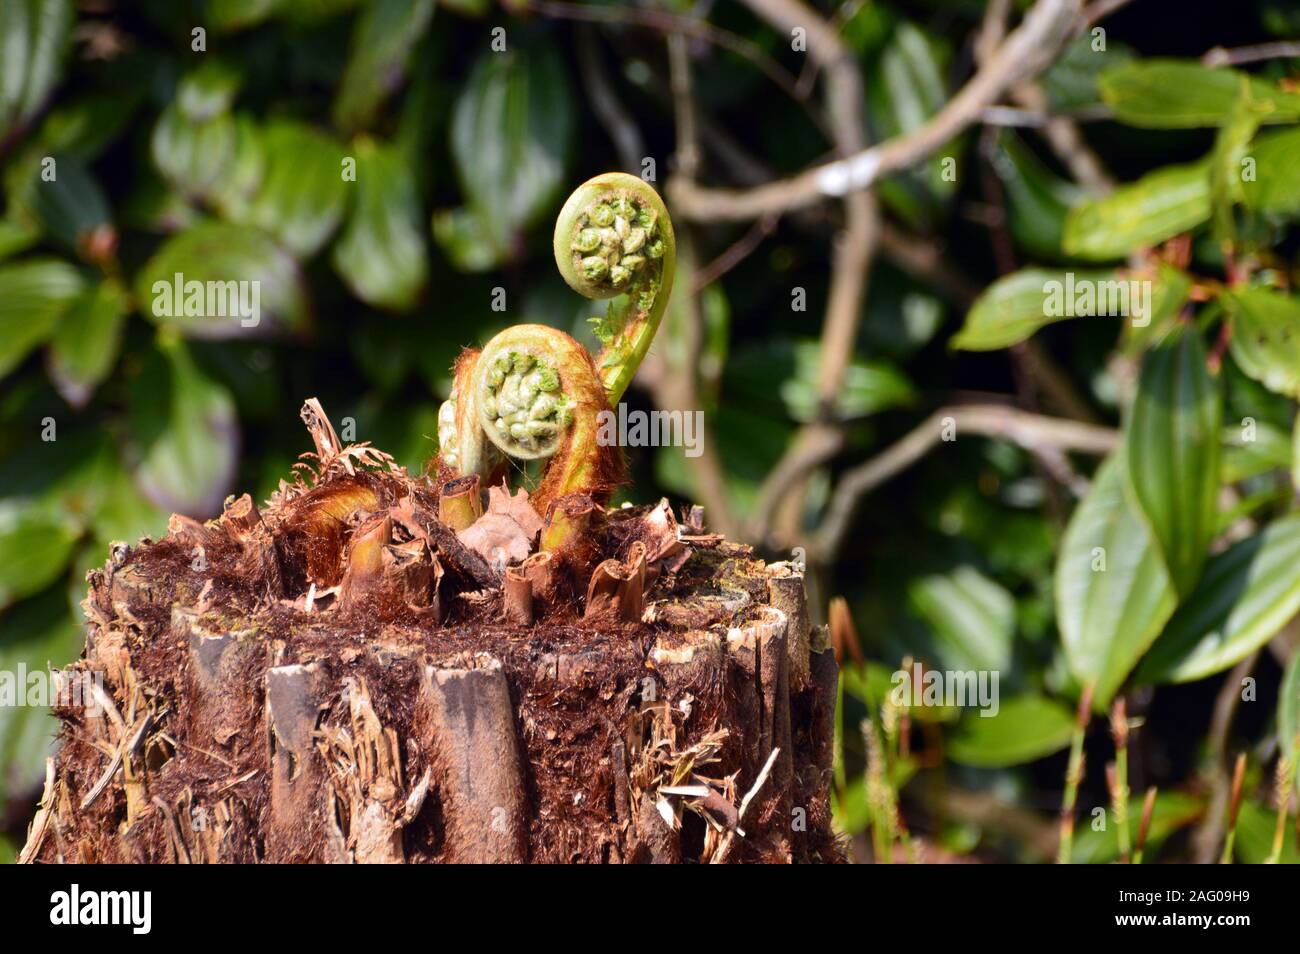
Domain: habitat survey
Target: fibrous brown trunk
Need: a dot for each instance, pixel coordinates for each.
(342, 677)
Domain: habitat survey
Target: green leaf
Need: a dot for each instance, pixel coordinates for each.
(381, 255)
(1183, 94)
(510, 139)
(1071, 81)
(84, 126)
(222, 254)
(84, 347)
(201, 149)
(382, 40)
(33, 294)
(1113, 593)
(35, 634)
(973, 617)
(1173, 453)
(465, 240)
(1248, 593)
(1254, 449)
(1158, 206)
(1170, 289)
(1266, 337)
(1017, 305)
(228, 16)
(1253, 845)
(868, 386)
(185, 432)
(1226, 168)
(35, 546)
(67, 207)
(1288, 705)
(1172, 811)
(217, 160)
(1037, 199)
(16, 237)
(1025, 728)
(34, 37)
(302, 196)
(1272, 186)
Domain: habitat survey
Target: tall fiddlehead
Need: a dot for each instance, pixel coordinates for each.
(614, 240)
(534, 392)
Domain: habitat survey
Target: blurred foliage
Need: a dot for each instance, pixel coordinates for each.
(387, 172)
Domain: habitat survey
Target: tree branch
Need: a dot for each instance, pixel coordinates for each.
(1025, 52)
(1034, 432)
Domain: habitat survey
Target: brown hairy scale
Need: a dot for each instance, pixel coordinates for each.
(343, 681)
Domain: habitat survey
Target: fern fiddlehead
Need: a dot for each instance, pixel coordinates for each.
(534, 392)
(614, 240)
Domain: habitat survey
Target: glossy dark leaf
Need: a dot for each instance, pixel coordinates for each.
(36, 634)
(302, 196)
(1025, 728)
(1248, 593)
(84, 347)
(382, 255)
(184, 433)
(1173, 452)
(972, 616)
(1271, 175)
(62, 198)
(1113, 592)
(1158, 206)
(1016, 305)
(220, 257)
(1266, 337)
(33, 294)
(1183, 94)
(34, 39)
(382, 40)
(510, 139)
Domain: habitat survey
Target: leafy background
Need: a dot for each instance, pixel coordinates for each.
(226, 164)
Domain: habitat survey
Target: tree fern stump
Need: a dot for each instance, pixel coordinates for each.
(341, 676)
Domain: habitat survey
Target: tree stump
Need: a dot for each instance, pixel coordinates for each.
(346, 675)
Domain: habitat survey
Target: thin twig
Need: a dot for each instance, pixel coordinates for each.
(1028, 50)
(734, 254)
(1280, 50)
(989, 420)
(1074, 777)
(1206, 840)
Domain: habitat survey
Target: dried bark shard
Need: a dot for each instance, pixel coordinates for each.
(540, 569)
(293, 705)
(568, 520)
(470, 733)
(518, 597)
(760, 648)
(366, 769)
(459, 502)
(785, 589)
(365, 568)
